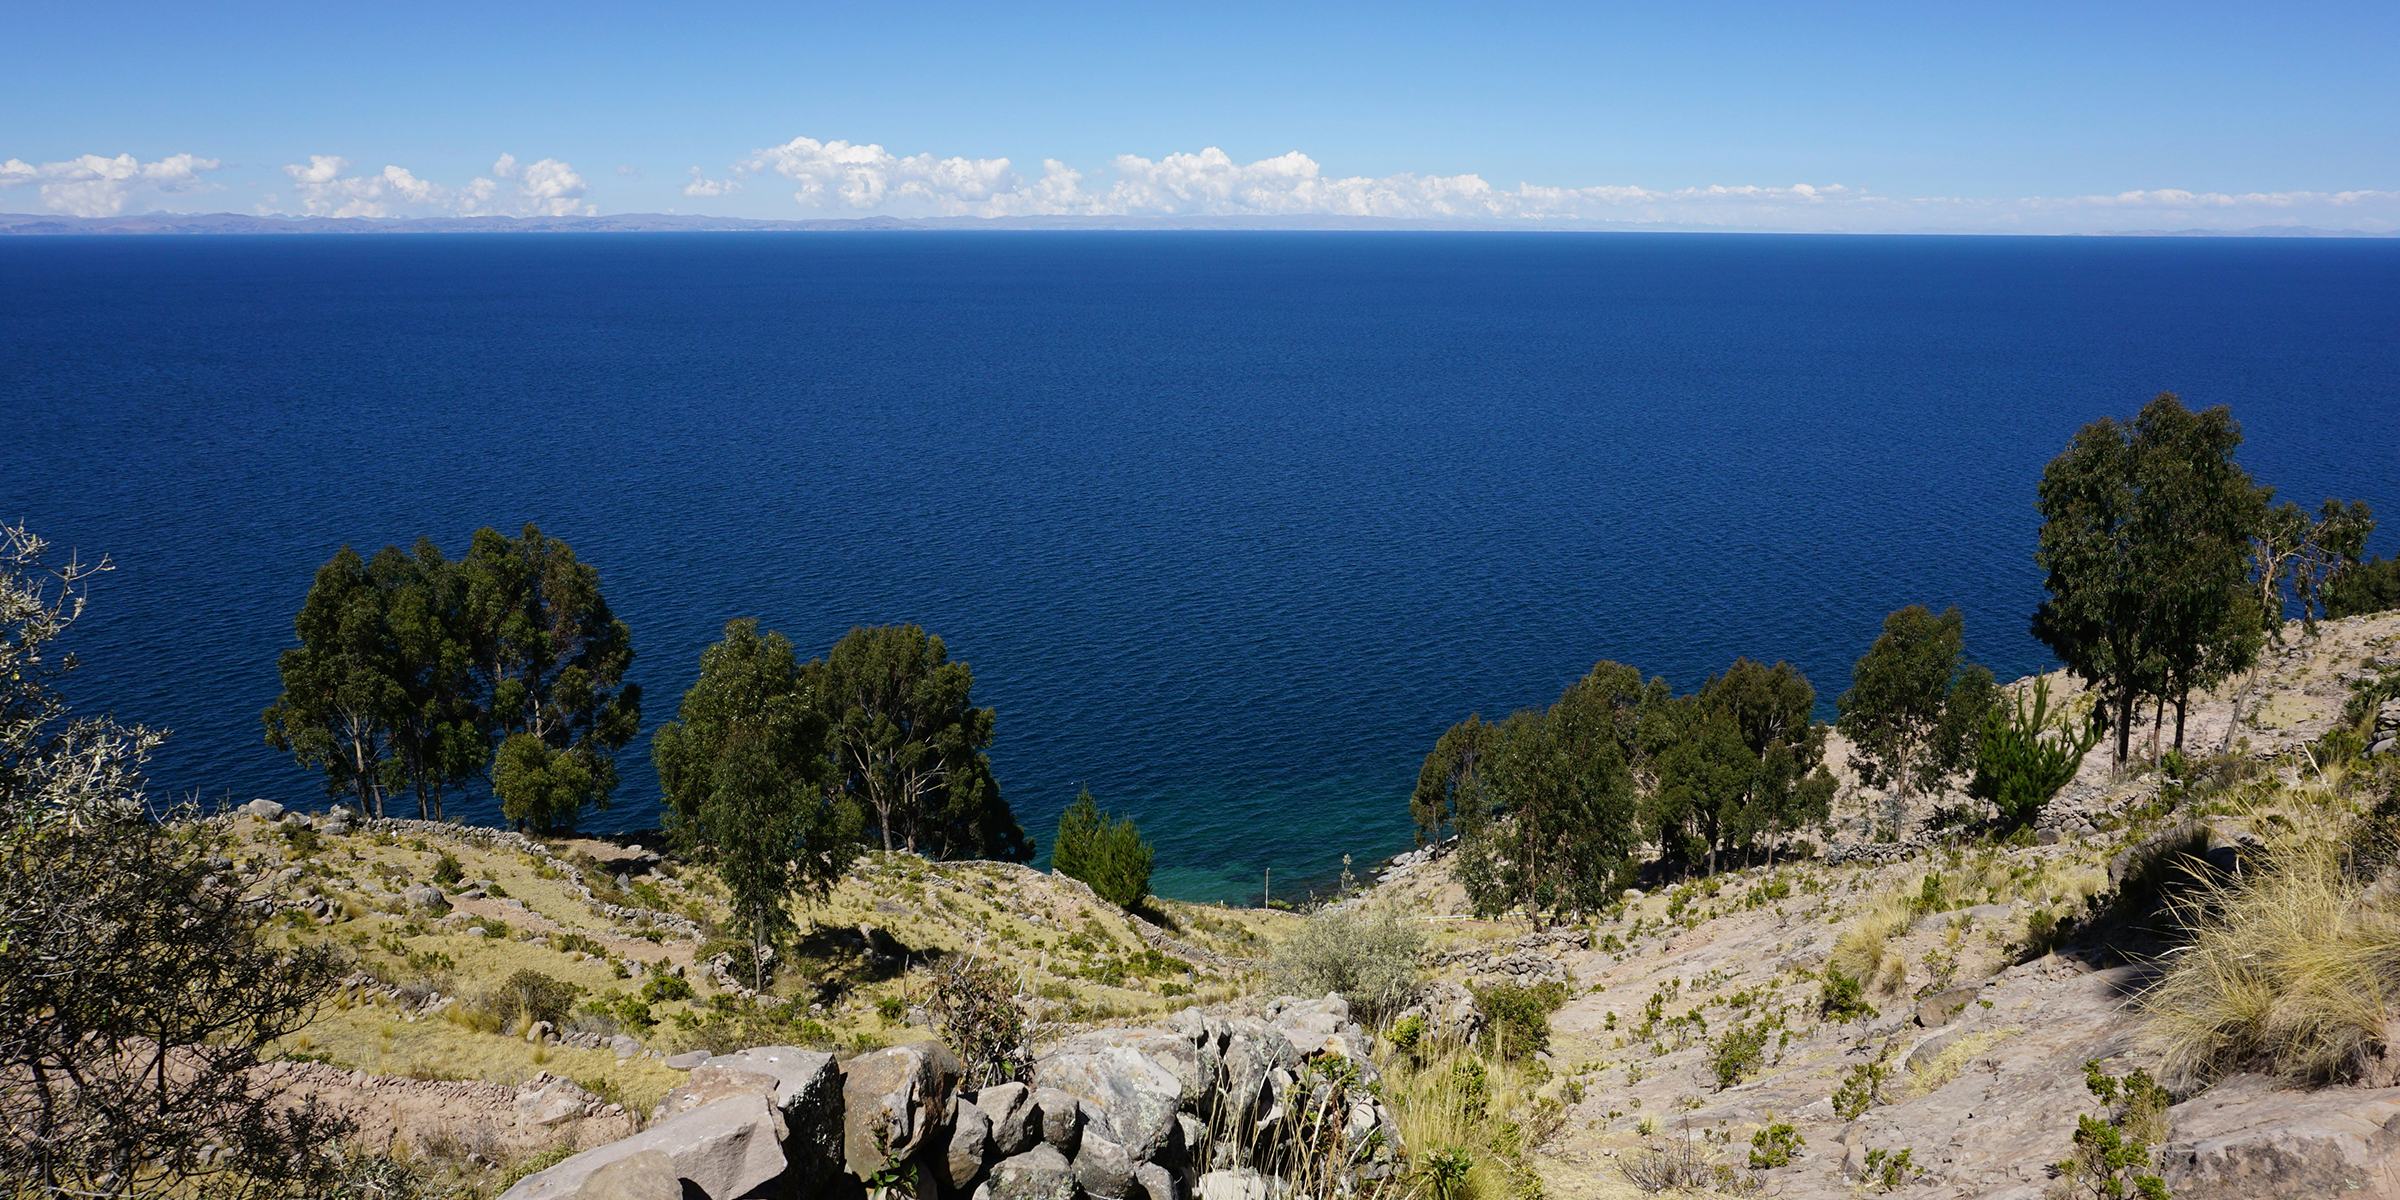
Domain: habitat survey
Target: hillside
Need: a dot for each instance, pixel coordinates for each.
(1692, 1018)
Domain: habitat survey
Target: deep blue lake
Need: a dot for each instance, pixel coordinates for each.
(1231, 526)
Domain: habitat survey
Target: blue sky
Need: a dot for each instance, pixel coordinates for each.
(2037, 117)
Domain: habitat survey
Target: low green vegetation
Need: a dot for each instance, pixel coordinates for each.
(1110, 855)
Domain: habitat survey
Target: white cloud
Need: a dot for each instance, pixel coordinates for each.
(546, 188)
(702, 185)
(841, 175)
(92, 186)
(861, 178)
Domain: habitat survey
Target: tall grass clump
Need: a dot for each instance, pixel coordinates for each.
(2291, 966)
(1469, 1118)
(1864, 951)
(1370, 958)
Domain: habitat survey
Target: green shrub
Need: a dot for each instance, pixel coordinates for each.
(664, 988)
(1861, 1089)
(447, 870)
(1520, 1016)
(1737, 1052)
(2017, 769)
(1774, 1146)
(1843, 997)
(2364, 587)
(1371, 959)
(1109, 855)
(533, 996)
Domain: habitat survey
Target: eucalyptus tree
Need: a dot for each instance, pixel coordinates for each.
(437, 739)
(1736, 762)
(749, 786)
(2146, 540)
(550, 660)
(2299, 559)
(1547, 821)
(1915, 705)
(342, 690)
(908, 743)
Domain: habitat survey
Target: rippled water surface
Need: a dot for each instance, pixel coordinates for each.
(1231, 526)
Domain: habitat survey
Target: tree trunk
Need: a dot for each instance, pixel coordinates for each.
(2124, 726)
(2183, 700)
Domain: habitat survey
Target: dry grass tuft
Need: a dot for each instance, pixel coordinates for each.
(2291, 968)
(1864, 950)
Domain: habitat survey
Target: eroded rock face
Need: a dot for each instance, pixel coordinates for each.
(892, 1102)
(649, 1175)
(2250, 1137)
(726, 1150)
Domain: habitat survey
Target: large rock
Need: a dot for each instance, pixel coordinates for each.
(892, 1101)
(1936, 1010)
(424, 897)
(649, 1175)
(1016, 1124)
(2252, 1138)
(726, 1150)
(1188, 1055)
(969, 1144)
(805, 1085)
(1153, 1182)
(1041, 1173)
(1136, 1097)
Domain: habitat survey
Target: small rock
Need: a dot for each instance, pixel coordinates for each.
(1041, 1173)
(688, 1059)
(1937, 1010)
(264, 809)
(625, 1046)
(1015, 1122)
(1233, 1185)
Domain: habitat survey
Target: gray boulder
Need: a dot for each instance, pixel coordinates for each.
(1939, 1009)
(1136, 1097)
(969, 1144)
(1446, 1013)
(1041, 1173)
(1179, 1052)
(726, 1150)
(264, 809)
(2253, 1138)
(1062, 1119)
(1016, 1124)
(804, 1085)
(892, 1101)
(1103, 1167)
(424, 897)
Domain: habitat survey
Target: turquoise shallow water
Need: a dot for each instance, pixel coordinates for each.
(1230, 525)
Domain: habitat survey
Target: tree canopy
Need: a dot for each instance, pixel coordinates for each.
(416, 672)
(907, 744)
(749, 786)
(1109, 854)
(2145, 528)
(1915, 705)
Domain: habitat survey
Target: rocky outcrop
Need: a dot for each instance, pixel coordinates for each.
(395, 1114)
(1115, 1114)
(2255, 1139)
(728, 1149)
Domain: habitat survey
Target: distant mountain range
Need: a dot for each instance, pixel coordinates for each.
(237, 223)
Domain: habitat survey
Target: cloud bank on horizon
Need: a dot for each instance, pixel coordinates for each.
(847, 179)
